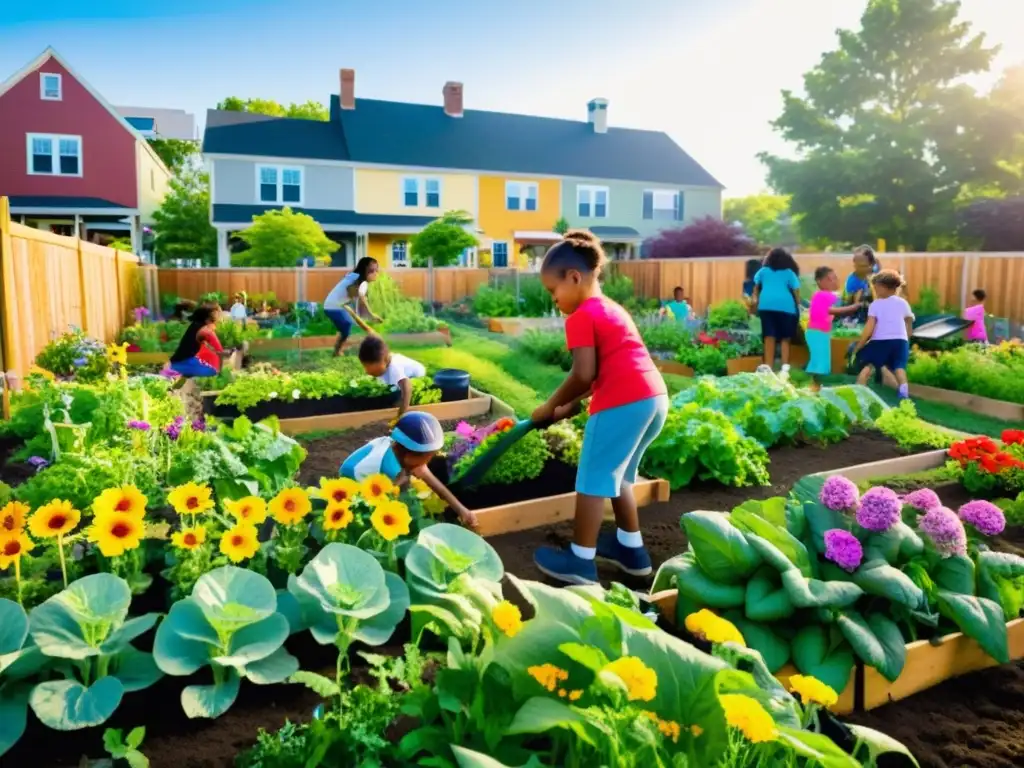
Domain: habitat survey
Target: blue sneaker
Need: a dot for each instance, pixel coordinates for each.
(563, 565)
(632, 560)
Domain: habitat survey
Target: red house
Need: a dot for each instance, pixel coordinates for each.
(69, 162)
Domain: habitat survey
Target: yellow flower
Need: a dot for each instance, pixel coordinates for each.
(115, 533)
(54, 519)
(507, 618)
(126, 500)
(420, 488)
(748, 716)
(337, 516)
(376, 488)
(812, 691)
(337, 489)
(548, 675)
(12, 546)
(391, 519)
(713, 628)
(696, 730)
(290, 506)
(118, 353)
(190, 499)
(35, 370)
(12, 517)
(641, 681)
(251, 509)
(240, 543)
(575, 695)
(189, 538)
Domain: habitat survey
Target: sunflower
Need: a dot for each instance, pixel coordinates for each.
(377, 488)
(240, 543)
(126, 500)
(251, 509)
(290, 506)
(12, 546)
(337, 489)
(391, 519)
(189, 538)
(337, 516)
(190, 499)
(116, 533)
(118, 353)
(54, 519)
(12, 517)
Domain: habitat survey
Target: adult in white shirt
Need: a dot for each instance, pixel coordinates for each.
(390, 368)
(351, 290)
(239, 313)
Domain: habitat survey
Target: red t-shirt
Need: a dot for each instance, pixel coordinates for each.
(625, 371)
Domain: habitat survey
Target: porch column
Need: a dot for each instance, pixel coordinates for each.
(223, 254)
(136, 234)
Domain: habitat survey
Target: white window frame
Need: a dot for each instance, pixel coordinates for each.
(279, 171)
(55, 140)
(42, 86)
(404, 263)
(591, 191)
(421, 183)
(677, 199)
(426, 183)
(523, 189)
(494, 255)
(415, 180)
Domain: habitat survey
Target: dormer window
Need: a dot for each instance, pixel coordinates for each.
(50, 86)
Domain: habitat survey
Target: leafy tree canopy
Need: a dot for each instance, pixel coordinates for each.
(310, 110)
(704, 237)
(176, 153)
(887, 133)
(765, 217)
(561, 226)
(444, 239)
(183, 229)
(282, 238)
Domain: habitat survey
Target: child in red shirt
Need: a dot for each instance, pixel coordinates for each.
(628, 407)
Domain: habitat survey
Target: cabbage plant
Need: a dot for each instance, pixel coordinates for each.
(87, 626)
(231, 623)
(20, 660)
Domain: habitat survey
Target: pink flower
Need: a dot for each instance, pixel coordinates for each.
(464, 429)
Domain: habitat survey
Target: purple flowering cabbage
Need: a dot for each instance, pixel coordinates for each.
(839, 494)
(879, 509)
(843, 549)
(922, 499)
(943, 527)
(986, 517)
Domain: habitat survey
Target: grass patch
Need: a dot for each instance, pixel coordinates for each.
(928, 478)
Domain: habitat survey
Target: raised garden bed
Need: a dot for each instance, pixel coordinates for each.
(986, 406)
(672, 367)
(517, 326)
(441, 336)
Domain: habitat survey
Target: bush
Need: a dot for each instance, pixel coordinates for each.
(703, 238)
(970, 369)
(616, 286)
(728, 314)
(495, 302)
(76, 354)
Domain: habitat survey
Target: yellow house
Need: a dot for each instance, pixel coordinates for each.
(518, 211)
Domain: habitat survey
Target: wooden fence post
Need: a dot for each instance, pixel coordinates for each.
(82, 290)
(120, 301)
(9, 351)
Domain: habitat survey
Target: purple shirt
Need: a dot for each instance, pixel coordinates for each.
(820, 319)
(890, 318)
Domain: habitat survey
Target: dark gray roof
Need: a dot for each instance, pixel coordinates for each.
(243, 133)
(242, 214)
(58, 201)
(614, 231)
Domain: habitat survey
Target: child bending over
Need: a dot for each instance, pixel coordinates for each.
(825, 306)
(975, 312)
(390, 368)
(199, 351)
(628, 409)
(885, 342)
(350, 290)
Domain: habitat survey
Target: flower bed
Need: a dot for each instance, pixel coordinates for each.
(993, 373)
(285, 343)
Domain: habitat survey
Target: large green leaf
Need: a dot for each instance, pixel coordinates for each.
(721, 549)
(748, 521)
(444, 551)
(378, 629)
(232, 597)
(468, 758)
(816, 653)
(211, 700)
(131, 629)
(255, 641)
(346, 581)
(898, 544)
(13, 715)
(819, 749)
(67, 705)
(184, 640)
(74, 623)
(135, 669)
(1001, 579)
(766, 599)
(694, 584)
(876, 744)
(13, 626)
(540, 714)
(774, 649)
(877, 641)
(880, 579)
(813, 593)
(954, 574)
(275, 668)
(978, 618)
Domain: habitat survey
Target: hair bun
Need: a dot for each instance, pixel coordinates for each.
(582, 236)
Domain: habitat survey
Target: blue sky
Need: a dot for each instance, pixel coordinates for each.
(708, 72)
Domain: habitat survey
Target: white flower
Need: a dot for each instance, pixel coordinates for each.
(295, 394)
(272, 395)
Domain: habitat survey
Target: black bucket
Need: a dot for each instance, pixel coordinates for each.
(453, 383)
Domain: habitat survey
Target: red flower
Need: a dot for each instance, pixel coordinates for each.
(704, 338)
(134, 348)
(1013, 436)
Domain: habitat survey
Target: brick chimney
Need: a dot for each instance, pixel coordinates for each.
(347, 94)
(452, 99)
(597, 115)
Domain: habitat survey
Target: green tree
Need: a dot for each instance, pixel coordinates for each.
(765, 218)
(561, 226)
(282, 238)
(183, 229)
(176, 153)
(310, 110)
(444, 239)
(887, 132)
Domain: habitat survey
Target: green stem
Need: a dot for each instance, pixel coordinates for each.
(17, 578)
(63, 564)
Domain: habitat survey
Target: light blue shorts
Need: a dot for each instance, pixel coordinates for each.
(613, 444)
(819, 345)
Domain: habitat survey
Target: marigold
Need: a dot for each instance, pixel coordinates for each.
(337, 489)
(338, 516)
(12, 517)
(126, 500)
(812, 691)
(290, 506)
(54, 519)
(376, 488)
(251, 509)
(548, 675)
(189, 538)
(749, 717)
(575, 695)
(116, 533)
(713, 628)
(669, 728)
(391, 519)
(190, 499)
(507, 618)
(240, 542)
(13, 545)
(641, 681)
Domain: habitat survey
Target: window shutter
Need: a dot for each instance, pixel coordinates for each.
(679, 206)
(648, 204)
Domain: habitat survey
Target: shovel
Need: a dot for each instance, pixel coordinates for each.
(475, 472)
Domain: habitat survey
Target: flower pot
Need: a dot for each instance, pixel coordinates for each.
(453, 383)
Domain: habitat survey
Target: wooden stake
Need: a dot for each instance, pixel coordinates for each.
(9, 352)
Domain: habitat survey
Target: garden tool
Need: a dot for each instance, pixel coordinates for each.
(359, 321)
(474, 473)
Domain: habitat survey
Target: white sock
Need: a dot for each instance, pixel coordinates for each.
(785, 367)
(631, 539)
(584, 553)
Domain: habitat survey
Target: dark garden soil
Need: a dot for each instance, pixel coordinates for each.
(13, 472)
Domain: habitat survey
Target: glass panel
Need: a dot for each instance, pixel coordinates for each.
(500, 254)
(291, 176)
(42, 146)
(433, 185)
(268, 175)
(584, 210)
(410, 185)
(42, 163)
(648, 211)
(69, 165)
(433, 200)
(268, 193)
(291, 193)
(512, 194)
(600, 210)
(69, 147)
(411, 199)
(51, 86)
(513, 203)
(600, 203)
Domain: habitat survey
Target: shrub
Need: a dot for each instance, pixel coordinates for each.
(548, 347)
(704, 237)
(495, 302)
(728, 314)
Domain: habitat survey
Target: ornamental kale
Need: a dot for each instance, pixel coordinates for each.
(879, 509)
(985, 516)
(945, 530)
(839, 494)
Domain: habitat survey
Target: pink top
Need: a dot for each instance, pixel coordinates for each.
(819, 318)
(625, 371)
(976, 332)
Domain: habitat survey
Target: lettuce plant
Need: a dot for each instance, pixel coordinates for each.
(86, 626)
(231, 624)
(20, 662)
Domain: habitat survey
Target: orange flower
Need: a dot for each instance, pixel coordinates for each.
(12, 546)
(290, 506)
(337, 516)
(54, 519)
(12, 517)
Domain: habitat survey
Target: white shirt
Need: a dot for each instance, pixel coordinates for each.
(401, 367)
(238, 311)
(338, 297)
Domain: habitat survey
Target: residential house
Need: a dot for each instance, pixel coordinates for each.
(377, 171)
(69, 162)
(158, 123)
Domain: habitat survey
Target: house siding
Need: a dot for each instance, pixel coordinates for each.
(499, 223)
(625, 205)
(324, 186)
(154, 181)
(382, 192)
(109, 162)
